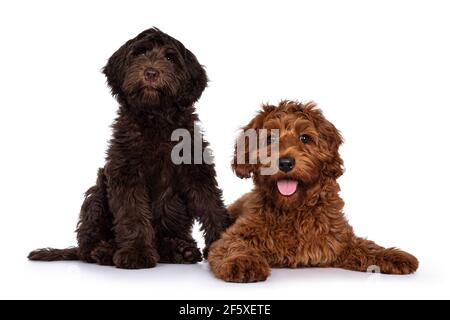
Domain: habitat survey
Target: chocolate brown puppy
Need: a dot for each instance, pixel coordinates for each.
(142, 208)
(294, 217)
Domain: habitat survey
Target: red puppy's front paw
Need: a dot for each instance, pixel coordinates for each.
(394, 261)
(244, 269)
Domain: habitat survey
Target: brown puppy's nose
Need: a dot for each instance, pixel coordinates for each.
(286, 164)
(151, 74)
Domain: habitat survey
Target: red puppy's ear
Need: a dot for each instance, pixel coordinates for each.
(329, 142)
(335, 166)
(241, 161)
(242, 165)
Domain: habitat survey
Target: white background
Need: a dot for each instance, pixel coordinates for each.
(379, 69)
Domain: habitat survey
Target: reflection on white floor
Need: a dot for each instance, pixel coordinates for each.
(80, 280)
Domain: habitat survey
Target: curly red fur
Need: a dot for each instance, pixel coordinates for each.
(307, 228)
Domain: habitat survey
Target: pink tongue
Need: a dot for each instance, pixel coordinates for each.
(287, 187)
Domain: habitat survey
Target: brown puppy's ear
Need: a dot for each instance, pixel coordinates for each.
(115, 68)
(241, 165)
(197, 72)
(197, 79)
(329, 142)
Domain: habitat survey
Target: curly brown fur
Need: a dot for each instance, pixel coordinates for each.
(142, 208)
(306, 228)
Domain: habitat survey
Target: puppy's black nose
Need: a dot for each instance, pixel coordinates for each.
(286, 164)
(151, 74)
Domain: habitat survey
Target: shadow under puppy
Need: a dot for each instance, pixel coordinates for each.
(293, 218)
(142, 208)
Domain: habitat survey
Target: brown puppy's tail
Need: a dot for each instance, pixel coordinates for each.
(49, 254)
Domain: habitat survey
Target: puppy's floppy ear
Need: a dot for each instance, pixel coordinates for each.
(329, 142)
(246, 169)
(242, 168)
(115, 68)
(197, 81)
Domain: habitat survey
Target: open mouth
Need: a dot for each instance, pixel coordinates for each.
(287, 187)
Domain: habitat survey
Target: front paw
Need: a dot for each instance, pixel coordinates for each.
(394, 261)
(189, 253)
(127, 258)
(244, 269)
(184, 252)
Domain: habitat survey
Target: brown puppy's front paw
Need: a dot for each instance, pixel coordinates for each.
(189, 253)
(244, 269)
(135, 259)
(394, 261)
(175, 250)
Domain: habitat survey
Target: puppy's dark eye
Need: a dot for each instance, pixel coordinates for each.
(170, 57)
(304, 138)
